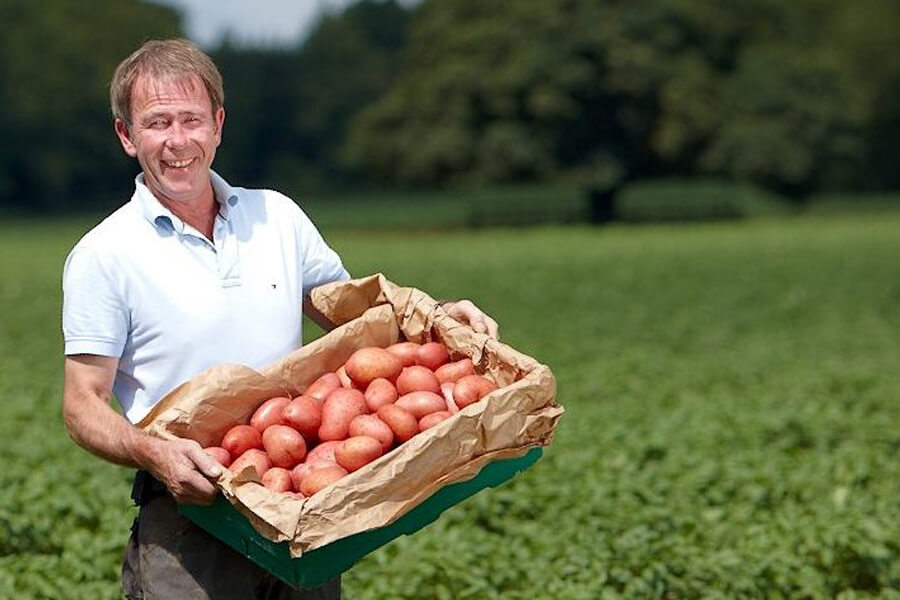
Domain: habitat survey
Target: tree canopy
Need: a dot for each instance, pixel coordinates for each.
(795, 96)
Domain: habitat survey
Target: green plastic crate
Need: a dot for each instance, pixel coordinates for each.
(223, 521)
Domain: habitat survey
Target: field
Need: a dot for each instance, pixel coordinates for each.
(732, 426)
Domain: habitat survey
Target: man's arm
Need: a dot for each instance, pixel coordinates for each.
(181, 465)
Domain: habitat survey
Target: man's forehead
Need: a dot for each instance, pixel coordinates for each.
(149, 88)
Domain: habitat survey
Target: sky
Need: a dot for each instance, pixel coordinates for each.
(255, 23)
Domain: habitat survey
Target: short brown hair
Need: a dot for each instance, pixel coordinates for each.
(160, 59)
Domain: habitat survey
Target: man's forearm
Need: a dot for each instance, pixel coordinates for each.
(96, 427)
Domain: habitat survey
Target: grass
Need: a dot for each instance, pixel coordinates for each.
(732, 425)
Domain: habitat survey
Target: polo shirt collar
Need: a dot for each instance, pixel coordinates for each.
(159, 215)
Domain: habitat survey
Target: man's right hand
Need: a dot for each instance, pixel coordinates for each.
(184, 468)
(180, 464)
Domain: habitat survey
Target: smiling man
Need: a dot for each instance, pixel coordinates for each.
(189, 273)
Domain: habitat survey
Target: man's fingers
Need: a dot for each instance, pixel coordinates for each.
(196, 489)
(206, 464)
(465, 310)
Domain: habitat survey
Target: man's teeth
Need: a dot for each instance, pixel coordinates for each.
(179, 164)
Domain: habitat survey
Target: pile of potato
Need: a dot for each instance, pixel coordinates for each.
(378, 399)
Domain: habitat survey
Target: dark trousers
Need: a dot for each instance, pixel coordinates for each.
(168, 557)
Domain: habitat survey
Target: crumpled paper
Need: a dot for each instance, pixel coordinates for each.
(371, 311)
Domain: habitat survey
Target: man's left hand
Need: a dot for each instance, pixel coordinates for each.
(466, 312)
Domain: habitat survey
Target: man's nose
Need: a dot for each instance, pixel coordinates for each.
(177, 136)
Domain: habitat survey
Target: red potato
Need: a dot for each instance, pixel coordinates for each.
(370, 363)
(298, 473)
(471, 389)
(432, 355)
(358, 451)
(417, 379)
(430, 420)
(219, 454)
(420, 404)
(269, 413)
(322, 453)
(277, 480)
(374, 427)
(318, 479)
(254, 457)
(241, 438)
(447, 391)
(401, 421)
(304, 413)
(380, 392)
(284, 445)
(405, 351)
(341, 406)
(324, 385)
(455, 370)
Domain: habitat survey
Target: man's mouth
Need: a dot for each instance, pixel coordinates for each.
(178, 164)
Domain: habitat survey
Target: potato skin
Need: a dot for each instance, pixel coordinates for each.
(324, 452)
(471, 389)
(420, 404)
(277, 479)
(417, 379)
(254, 457)
(341, 406)
(304, 413)
(298, 473)
(401, 421)
(269, 413)
(324, 385)
(374, 427)
(432, 419)
(219, 454)
(455, 370)
(372, 362)
(241, 438)
(380, 392)
(284, 445)
(432, 355)
(318, 479)
(356, 452)
(405, 351)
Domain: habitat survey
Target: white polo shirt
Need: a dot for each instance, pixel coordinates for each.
(147, 288)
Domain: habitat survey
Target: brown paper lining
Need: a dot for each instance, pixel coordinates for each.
(522, 414)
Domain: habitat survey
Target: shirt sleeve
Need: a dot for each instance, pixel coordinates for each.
(95, 319)
(321, 264)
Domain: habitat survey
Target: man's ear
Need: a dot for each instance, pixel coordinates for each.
(124, 133)
(220, 122)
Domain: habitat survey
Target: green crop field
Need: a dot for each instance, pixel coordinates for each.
(732, 425)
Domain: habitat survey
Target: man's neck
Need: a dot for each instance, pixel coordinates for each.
(199, 213)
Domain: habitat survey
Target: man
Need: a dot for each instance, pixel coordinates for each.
(190, 273)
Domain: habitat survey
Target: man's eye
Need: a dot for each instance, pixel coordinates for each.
(158, 124)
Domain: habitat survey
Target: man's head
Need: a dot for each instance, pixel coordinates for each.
(164, 60)
(167, 99)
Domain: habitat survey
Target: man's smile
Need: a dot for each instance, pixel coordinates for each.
(178, 164)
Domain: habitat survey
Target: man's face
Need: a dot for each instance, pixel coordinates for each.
(174, 136)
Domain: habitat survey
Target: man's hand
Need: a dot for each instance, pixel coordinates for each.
(185, 469)
(465, 311)
(180, 464)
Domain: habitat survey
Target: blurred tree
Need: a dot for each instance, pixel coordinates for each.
(56, 59)
(288, 120)
(600, 90)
